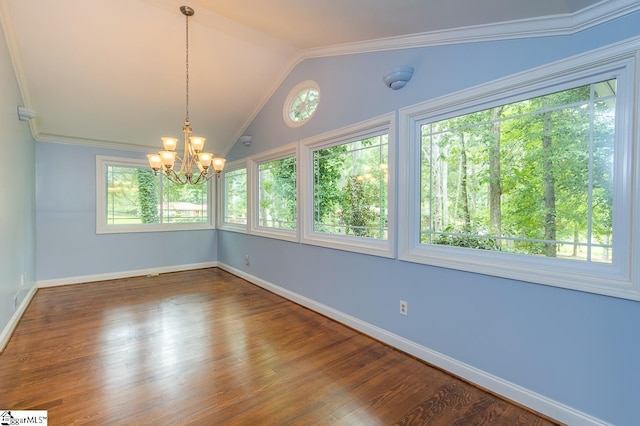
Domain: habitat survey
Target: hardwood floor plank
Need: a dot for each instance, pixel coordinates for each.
(206, 347)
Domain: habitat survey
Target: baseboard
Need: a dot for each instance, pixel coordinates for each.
(15, 318)
(123, 274)
(516, 393)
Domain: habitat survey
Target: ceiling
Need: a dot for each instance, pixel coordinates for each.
(112, 72)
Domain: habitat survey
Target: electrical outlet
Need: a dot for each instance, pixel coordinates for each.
(246, 259)
(404, 307)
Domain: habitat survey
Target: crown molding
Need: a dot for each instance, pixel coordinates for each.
(565, 24)
(8, 29)
(6, 21)
(92, 143)
(602, 12)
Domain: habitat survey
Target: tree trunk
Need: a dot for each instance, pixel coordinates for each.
(444, 174)
(436, 188)
(463, 186)
(549, 190)
(495, 189)
(264, 212)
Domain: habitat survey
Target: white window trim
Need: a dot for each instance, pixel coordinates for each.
(254, 187)
(621, 278)
(383, 248)
(221, 224)
(102, 227)
(307, 84)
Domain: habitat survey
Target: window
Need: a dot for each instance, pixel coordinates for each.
(349, 202)
(233, 201)
(130, 198)
(532, 177)
(529, 177)
(301, 103)
(275, 198)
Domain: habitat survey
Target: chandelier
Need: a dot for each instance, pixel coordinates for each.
(196, 166)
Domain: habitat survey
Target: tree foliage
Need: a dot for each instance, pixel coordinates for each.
(350, 190)
(136, 195)
(278, 198)
(534, 176)
(147, 195)
(358, 196)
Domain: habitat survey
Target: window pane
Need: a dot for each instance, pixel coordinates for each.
(132, 196)
(350, 188)
(304, 105)
(136, 196)
(235, 195)
(602, 210)
(532, 177)
(184, 203)
(277, 194)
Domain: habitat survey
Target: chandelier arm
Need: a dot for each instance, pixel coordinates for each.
(203, 177)
(186, 164)
(184, 161)
(198, 164)
(175, 177)
(197, 181)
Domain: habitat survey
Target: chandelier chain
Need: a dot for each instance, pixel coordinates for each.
(187, 66)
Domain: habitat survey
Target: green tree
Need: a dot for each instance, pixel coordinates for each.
(328, 166)
(147, 196)
(358, 198)
(278, 193)
(534, 176)
(349, 190)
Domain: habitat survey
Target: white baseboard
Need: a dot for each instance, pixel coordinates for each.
(516, 393)
(124, 274)
(6, 333)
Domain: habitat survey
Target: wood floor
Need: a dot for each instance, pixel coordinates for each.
(207, 348)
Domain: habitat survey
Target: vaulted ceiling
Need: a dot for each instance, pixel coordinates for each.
(112, 72)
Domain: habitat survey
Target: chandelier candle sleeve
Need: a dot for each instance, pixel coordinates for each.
(195, 165)
(205, 159)
(197, 143)
(169, 144)
(154, 161)
(218, 164)
(168, 159)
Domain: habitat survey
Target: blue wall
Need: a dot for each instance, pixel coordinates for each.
(17, 195)
(576, 348)
(67, 243)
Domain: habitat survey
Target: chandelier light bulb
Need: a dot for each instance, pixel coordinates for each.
(197, 143)
(169, 144)
(154, 161)
(168, 159)
(218, 164)
(205, 159)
